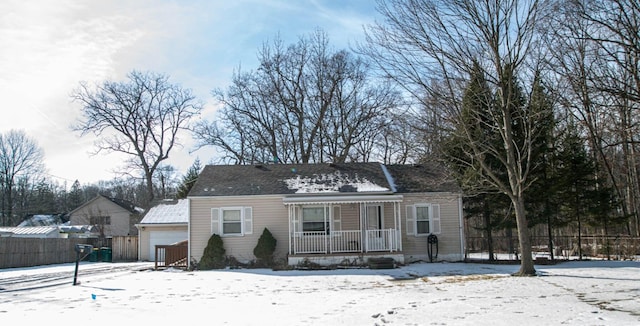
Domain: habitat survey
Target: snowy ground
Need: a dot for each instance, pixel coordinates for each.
(571, 293)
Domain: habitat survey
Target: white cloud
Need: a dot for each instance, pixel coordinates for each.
(48, 47)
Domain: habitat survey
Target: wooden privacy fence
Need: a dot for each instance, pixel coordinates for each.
(27, 252)
(125, 248)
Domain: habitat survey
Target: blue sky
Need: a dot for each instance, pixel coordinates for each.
(48, 47)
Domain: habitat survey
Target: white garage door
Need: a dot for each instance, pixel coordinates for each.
(164, 238)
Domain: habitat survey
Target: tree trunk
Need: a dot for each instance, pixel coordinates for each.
(150, 194)
(526, 259)
(487, 225)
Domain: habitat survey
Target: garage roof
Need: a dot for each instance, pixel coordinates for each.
(168, 212)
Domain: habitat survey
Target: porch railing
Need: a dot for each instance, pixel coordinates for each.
(171, 256)
(382, 240)
(345, 241)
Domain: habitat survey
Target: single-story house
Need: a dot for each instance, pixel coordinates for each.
(164, 224)
(328, 213)
(109, 216)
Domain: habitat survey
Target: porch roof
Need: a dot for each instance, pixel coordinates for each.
(344, 199)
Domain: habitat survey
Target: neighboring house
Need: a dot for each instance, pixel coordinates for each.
(328, 213)
(108, 216)
(164, 224)
(31, 232)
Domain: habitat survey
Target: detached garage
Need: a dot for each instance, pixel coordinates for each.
(164, 224)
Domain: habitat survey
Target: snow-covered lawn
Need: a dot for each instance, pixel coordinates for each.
(571, 293)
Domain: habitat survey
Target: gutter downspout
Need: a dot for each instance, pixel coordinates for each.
(189, 242)
(461, 218)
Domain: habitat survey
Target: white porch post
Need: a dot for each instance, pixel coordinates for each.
(327, 248)
(363, 227)
(291, 231)
(395, 228)
(399, 229)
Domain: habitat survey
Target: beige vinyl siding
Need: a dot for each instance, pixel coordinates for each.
(415, 247)
(267, 211)
(389, 216)
(350, 217)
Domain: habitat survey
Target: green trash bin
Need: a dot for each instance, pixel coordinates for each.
(105, 252)
(93, 256)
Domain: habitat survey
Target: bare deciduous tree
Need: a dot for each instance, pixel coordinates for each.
(305, 103)
(596, 55)
(20, 157)
(425, 45)
(140, 117)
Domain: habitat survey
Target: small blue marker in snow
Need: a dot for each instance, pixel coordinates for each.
(93, 296)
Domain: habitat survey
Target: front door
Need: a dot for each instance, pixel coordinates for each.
(373, 217)
(374, 223)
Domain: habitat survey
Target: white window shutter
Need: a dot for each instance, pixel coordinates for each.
(248, 220)
(435, 219)
(411, 220)
(215, 221)
(295, 220)
(337, 219)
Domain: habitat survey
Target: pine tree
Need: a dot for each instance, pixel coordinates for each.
(582, 197)
(483, 201)
(189, 179)
(75, 196)
(214, 254)
(541, 198)
(265, 248)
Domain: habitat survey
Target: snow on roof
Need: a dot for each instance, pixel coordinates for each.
(332, 182)
(168, 212)
(30, 230)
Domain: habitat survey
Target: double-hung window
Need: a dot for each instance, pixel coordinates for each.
(231, 221)
(422, 219)
(314, 219)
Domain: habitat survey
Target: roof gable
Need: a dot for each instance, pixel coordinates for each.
(124, 204)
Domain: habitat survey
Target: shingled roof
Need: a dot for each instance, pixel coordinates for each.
(343, 178)
(424, 177)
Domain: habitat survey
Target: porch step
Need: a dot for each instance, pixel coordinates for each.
(381, 263)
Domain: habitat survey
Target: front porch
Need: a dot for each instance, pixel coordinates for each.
(336, 229)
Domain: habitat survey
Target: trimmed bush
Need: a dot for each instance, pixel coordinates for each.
(213, 256)
(265, 248)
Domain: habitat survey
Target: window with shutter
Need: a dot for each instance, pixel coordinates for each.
(423, 219)
(232, 221)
